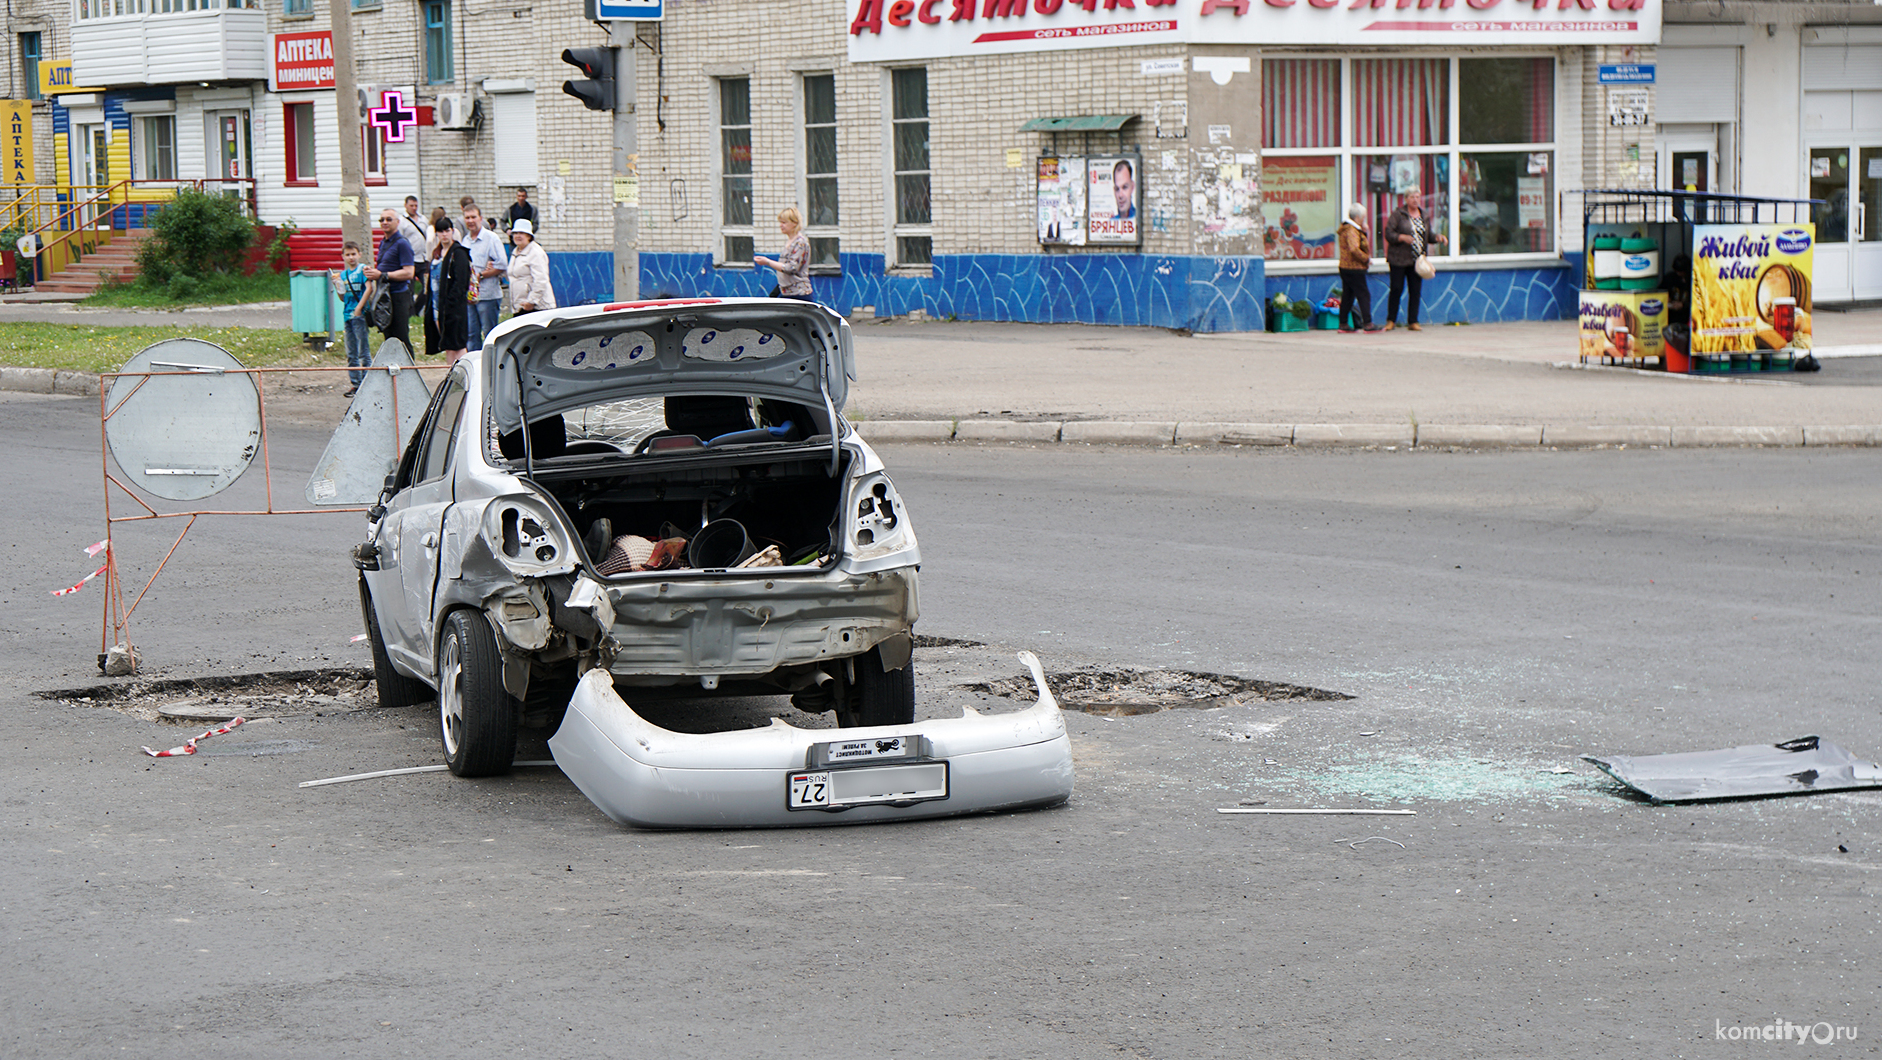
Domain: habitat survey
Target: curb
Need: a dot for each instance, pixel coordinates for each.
(49, 381)
(1158, 434)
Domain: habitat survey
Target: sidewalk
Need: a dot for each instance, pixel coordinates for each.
(1478, 385)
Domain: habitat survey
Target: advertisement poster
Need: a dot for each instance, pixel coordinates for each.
(1532, 202)
(1116, 200)
(1300, 200)
(1062, 202)
(1622, 326)
(1751, 287)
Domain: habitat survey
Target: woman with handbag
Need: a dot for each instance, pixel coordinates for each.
(1407, 235)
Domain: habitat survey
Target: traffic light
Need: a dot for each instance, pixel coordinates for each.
(597, 65)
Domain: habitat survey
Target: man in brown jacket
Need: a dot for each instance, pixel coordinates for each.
(1355, 259)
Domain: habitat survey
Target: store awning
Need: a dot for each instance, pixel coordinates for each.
(1079, 123)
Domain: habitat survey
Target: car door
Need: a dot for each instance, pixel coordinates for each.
(414, 524)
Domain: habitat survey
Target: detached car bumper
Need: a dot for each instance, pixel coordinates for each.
(640, 774)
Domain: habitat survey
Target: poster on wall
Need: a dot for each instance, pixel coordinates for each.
(1300, 203)
(1115, 199)
(1061, 208)
(1751, 287)
(1532, 202)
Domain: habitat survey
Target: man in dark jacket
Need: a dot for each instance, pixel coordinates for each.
(394, 268)
(523, 210)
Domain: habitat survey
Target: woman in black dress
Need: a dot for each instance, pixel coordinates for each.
(454, 287)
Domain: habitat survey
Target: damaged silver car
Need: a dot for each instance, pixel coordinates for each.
(667, 491)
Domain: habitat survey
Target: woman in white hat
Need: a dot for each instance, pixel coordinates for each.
(529, 271)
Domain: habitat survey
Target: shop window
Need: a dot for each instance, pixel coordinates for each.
(1379, 130)
(914, 244)
(438, 68)
(30, 54)
(158, 134)
(1300, 103)
(735, 214)
(1505, 203)
(1506, 101)
(820, 195)
(298, 131)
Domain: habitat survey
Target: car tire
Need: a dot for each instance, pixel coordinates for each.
(395, 689)
(877, 696)
(477, 718)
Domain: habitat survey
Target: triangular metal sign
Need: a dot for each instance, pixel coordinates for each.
(365, 446)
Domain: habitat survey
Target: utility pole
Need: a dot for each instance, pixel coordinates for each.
(626, 165)
(354, 224)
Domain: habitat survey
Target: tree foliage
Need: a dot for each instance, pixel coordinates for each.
(195, 237)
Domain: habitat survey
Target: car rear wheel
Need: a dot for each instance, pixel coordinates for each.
(877, 696)
(395, 689)
(476, 717)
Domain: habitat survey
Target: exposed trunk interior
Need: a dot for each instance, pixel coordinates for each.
(789, 500)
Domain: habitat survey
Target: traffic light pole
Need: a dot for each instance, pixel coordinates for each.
(626, 191)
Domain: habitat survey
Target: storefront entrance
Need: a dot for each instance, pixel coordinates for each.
(1848, 178)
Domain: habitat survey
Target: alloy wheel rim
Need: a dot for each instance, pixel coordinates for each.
(451, 694)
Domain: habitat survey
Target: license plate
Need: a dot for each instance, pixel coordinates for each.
(834, 789)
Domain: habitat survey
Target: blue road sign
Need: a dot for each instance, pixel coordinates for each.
(624, 10)
(1627, 74)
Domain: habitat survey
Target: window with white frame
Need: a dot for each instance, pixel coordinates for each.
(1471, 138)
(908, 122)
(157, 138)
(735, 211)
(820, 194)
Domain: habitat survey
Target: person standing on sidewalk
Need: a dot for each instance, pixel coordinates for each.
(1355, 259)
(529, 272)
(792, 266)
(1407, 234)
(355, 290)
(522, 210)
(488, 262)
(453, 287)
(395, 268)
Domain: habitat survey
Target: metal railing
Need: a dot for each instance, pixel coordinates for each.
(73, 220)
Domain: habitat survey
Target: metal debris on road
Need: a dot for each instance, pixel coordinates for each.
(1802, 766)
(1247, 809)
(1355, 843)
(189, 747)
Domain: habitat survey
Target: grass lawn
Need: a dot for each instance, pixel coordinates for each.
(100, 349)
(265, 286)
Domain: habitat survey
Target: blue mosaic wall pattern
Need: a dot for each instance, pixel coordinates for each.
(1197, 293)
(1201, 294)
(1482, 296)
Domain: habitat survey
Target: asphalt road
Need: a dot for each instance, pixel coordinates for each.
(1493, 614)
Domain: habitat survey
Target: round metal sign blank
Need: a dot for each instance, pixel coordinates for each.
(188, 432)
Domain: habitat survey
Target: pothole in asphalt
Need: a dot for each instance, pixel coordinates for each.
(922, 640)
(1125, 693)
(192, 700)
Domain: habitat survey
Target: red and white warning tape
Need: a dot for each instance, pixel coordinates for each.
(93, 550)
(190, 747)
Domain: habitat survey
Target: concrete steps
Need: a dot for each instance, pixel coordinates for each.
(115, 261)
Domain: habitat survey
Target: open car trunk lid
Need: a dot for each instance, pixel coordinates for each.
(549, 362)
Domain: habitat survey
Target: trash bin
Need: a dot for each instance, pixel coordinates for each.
(314, 306)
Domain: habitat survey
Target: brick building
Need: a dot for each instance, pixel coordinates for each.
(1118, 161)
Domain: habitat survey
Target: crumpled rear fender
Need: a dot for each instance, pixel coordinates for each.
(640, 774)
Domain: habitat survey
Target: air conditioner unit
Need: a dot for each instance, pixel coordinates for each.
(456, 110)
(368, 99)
